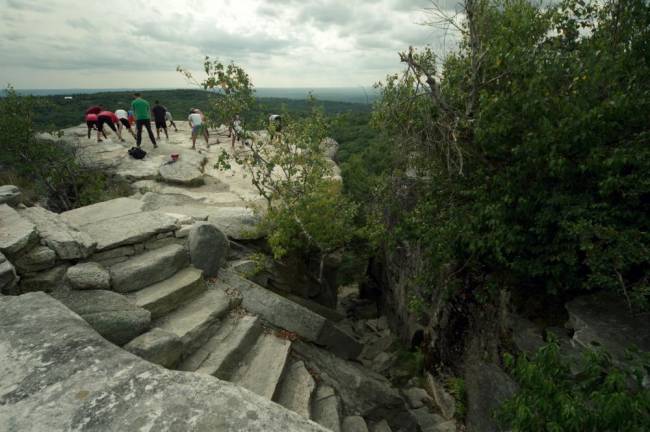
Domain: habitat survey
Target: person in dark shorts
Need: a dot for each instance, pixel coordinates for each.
(159, 116)
(91, 123)
(141, 111)
(123, 118)
(110, 119)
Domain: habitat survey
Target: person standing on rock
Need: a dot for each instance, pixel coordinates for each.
(236, 130)
(141, 111)
(110, 119)
(123, 118)
(170, 119)
(196, 123)
(159, 118)
(275, 126)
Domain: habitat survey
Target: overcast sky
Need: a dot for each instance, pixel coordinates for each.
(281, 43)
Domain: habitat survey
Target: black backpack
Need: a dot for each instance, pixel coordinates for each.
(137, 153)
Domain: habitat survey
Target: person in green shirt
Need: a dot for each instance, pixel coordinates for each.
(141, 110)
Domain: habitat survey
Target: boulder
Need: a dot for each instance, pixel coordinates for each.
(381, 426)
(362, 392)
(238, 223)
(208, 248)
(157, 346)
(416, 397)
(89, 275)
(48, 281)
(330, 148)
(326, 410)
(354, 424)
(8, 276)
(129, 229)
(112, 315)
(487, 386)
(70, 378)
(63, 238)
(605, 320)
(16, 232)
(525, 335)
(10, 194)
(296, 389)
(427, 420)
(181, 172)
(36, 259)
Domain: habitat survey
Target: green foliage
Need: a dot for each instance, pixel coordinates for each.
(48, 167)
(456, 387)
(529, 158)
(602, 397)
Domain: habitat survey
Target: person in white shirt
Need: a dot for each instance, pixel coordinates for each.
(198, 126)
(170, 119)
(236, 130)
(123, 117)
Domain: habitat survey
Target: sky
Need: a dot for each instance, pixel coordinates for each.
(138, 44)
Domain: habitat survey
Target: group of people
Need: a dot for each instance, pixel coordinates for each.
(141, 114)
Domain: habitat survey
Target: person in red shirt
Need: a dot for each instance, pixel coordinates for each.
(110, 119)
(91, 123)
(95, 109)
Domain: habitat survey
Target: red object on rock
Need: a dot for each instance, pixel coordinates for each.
(175, 156)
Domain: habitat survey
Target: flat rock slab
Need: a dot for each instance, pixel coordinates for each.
(101, 211)
(181, 172)
(157, 346)
(109, 313)
(49, 281)
(296, 389)
(239, 223)
(148, 268)
(326, 409)
(90, 275)
(129, 229)
(36, 259)
(70, 378)
(16, 232)
(66, 240)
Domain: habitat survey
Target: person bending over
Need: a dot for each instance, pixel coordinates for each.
(159, 112)
(123, 118)
(91, 123)
(141, 111)
(110, 119)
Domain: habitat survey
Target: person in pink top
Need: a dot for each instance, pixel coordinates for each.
(110, 119)
(91, 123)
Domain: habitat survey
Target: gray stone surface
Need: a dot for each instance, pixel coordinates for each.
(157, 346)
(381, 426)
(354, 424)
(36, 259)
(109, 313)
(48, 281)
(94, 213)
(361, 391)
(416, 397)
(70, 379)
(295, 390)
(330, 148)
(526, 336)
(444, 401)
(239, 223)
(181, 172)
(196, 321)
(88, 275)
(63, 238)
(16, 232)
(8, 276)
(426, 420)
(486, 386)
(129, 229)
(221, 355)
(148, 268)
(286, 314)
(604, 320)
(165, 296)
(326, 409)
(10, 194)
(208, 247)
(262, 367)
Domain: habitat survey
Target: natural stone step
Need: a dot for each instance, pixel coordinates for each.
(198, 319)
(326, 410)
(220, 355)
(296, 388)
(165, 296)
(262, 368)
(148, 268)
(16, 232)
(98, 212)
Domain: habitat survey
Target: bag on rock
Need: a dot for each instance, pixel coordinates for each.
(137, 153)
